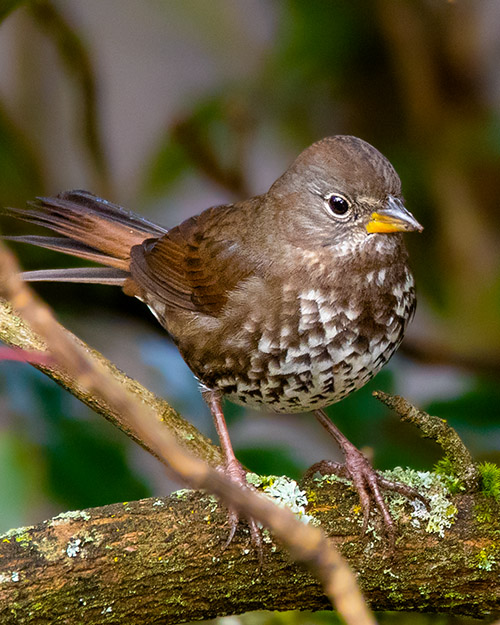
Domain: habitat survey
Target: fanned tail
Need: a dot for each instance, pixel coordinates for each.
(92, 228)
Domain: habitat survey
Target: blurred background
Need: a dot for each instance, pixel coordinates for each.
(170, 106)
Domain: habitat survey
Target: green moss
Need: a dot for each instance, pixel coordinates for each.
(446, 470)
(486, 557)
(24, 539)
(396, 597)
(484, 511)
(490, 479)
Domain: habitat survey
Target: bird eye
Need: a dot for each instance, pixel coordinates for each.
(338, 205)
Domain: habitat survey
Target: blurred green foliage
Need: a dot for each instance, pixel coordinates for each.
(54, 446)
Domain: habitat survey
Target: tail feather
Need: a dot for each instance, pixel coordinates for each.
(92, 228)
(68, 246)
(82, 275)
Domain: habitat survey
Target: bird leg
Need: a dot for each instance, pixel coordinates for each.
(367, 482)
(232, 468)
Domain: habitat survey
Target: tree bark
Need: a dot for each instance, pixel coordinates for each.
(162, 561)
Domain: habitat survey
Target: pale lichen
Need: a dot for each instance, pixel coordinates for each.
(440, 513)
(73, 548)
(285, 492)
(10, 576)
(66, 517)
(182, 493)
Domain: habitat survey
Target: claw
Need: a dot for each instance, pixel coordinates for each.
(367, 482)
(237, 473)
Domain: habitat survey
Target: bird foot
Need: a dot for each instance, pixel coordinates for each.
(237, 474)
(368, 484)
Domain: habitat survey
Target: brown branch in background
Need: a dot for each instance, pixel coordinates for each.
(74, 55)
(429, 353)
(189, 134)
(438, 430)
(16, 333)
(306, 543)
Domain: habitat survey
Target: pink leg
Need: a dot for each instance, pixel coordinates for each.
(232, 467)
(366, 480)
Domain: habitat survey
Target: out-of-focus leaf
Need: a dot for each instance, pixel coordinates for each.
(479, 407)
(270, 461)
(84, 458)
(21, 479)
(168, 165)
(210, 139)
(476, 417)
(7, 6)
(20, 171)
(328, 57)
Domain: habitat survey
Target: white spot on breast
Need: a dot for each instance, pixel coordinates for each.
(266, 345)
(327, 314)
(308, 307)
(381, 276)
(351, 313)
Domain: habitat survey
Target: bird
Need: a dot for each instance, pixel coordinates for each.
(286, 302)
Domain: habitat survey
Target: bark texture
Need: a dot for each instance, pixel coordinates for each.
(161, 561)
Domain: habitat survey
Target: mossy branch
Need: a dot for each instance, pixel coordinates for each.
(16, 333)
(160, 560)
(439, 430)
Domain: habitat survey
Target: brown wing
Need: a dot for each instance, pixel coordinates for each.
(194, 265)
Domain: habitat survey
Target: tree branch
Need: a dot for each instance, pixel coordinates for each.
(438, 430)
(160, 560)
(16, 333)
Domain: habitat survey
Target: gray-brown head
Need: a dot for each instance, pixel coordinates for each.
(346, 190)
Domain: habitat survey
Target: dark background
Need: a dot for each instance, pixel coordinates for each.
(168, 107)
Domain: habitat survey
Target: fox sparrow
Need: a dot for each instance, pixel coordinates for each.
(286, 302)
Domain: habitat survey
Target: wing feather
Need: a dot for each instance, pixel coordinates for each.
(190, 267)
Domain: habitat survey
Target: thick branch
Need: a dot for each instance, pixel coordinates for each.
(160, 560)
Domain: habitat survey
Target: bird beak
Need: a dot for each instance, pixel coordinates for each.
(393, 217)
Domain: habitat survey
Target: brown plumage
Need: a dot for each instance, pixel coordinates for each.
(288, 301)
